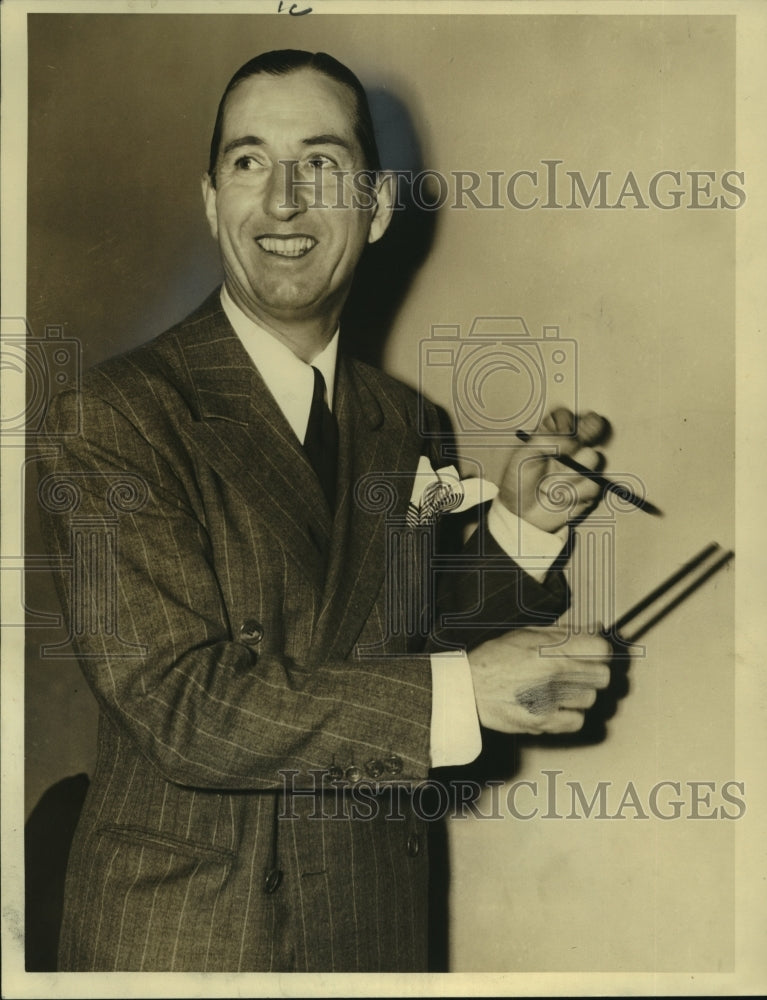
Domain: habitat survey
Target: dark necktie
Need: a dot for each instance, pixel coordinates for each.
(321, 441)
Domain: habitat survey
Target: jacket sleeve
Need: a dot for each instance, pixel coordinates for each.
(486, 594)
(482, 593)
(189, 693)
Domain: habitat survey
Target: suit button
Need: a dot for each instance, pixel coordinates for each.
(353, 773)
(334, 773)
(393, 764)
(272, 880)
(374, 768)
(251, 631)
(413, 845)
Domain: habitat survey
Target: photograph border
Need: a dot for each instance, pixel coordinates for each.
(750, 975)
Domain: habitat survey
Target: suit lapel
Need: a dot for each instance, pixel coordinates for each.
(242, 433)
(376, 446)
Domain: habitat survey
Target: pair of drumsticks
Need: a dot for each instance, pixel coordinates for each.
(660, 601)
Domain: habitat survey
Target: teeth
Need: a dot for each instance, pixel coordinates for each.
(286, 246)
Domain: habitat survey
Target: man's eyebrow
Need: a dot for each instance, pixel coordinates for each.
(327, 139)
(244, 140)
(324, 139)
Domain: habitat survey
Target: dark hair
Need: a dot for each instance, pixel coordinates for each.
(282, 61)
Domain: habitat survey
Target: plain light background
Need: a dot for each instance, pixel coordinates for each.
(121, 109)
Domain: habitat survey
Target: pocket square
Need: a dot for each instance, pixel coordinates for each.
(442, 491)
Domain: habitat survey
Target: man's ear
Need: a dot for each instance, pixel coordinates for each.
(209, 197)
(384, 206)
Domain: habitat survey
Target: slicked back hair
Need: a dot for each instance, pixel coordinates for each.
(282, 61)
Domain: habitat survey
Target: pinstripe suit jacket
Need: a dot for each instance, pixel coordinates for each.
(205, 529)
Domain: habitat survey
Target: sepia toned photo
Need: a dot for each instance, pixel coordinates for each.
(381, 453)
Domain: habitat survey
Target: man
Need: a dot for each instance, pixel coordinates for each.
(250, 682)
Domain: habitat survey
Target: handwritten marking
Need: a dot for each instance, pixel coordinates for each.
(293, 9)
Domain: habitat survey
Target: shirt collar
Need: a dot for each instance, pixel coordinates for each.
(289, 379)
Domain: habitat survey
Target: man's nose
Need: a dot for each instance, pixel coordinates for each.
(287, 194)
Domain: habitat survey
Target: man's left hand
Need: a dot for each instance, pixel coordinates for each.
(533, 477)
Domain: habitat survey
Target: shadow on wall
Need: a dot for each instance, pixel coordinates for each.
(48, 837)
(388, 267)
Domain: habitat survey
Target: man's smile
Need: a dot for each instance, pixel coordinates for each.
(287, 246)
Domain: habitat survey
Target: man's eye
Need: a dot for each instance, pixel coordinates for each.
(320, 162)
(246, 163)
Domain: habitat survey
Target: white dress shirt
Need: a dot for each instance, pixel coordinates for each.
(455, 732)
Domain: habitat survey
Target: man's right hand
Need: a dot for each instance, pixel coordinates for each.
(518, 689)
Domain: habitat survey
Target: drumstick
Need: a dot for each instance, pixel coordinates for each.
(607, 485)
(662, 589)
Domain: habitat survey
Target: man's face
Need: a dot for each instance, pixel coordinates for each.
(289, 255)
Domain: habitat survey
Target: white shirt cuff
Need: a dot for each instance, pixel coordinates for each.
(455, 734)
(531, 548)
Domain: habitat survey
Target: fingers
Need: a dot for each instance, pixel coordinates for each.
(588, 491)
(560, 421)
(566, 687)
(522, 685)
(558, 702)
(556, 706)
(575, 437)
(536, 484)
(585, 650)
(590, 459)
(581, 491)
(554, 695)
(578, 698)
(592, 429)
(586, 429)
(573, 433)
(565, 721)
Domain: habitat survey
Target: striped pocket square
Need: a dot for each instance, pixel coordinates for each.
(442, 491)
